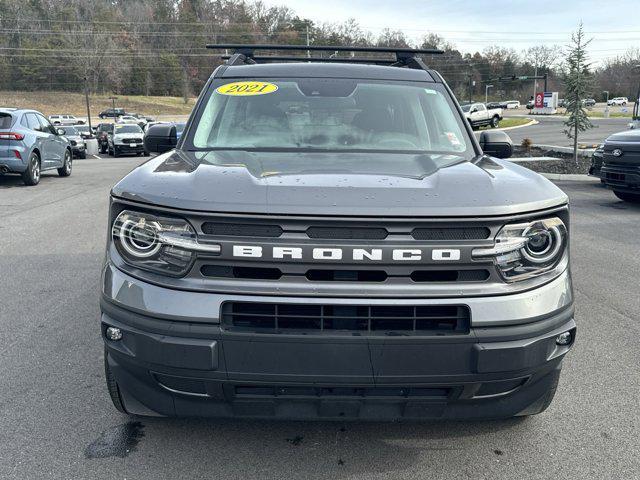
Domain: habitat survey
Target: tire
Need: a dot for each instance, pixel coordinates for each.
(82, 155)
(115, 152)
(66, 168)
(31, 176)
(146, 154)
(627, 197)
(112, 386)
(495, 121)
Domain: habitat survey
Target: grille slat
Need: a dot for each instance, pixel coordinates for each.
(241, 230)
(288, 318)
(451, 233)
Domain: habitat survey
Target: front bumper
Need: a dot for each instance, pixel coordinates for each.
(621, 178)
(167, 364)
(129, 148)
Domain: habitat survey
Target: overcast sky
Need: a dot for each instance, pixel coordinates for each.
(473, 25)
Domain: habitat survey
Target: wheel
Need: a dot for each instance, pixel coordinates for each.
(146, 154)
(82, 155)
(65, 170)
(627, 197)
(495, 121)
(31, 176)
(115, 152)
(624, 104)
(112, 386)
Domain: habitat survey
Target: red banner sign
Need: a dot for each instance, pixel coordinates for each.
(539, 102)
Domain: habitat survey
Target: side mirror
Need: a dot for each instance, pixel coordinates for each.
(496, 144)
(160, 138)
(61, 131)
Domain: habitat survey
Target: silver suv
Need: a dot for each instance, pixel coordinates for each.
(29, 145)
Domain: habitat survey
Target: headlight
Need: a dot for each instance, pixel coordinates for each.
(526, 250)
(159, 244)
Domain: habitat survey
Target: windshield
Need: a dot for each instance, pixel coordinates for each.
(71, 131)
(82, 128)
(180, 127)
(333, 115)
(466, 108)
(127, 129)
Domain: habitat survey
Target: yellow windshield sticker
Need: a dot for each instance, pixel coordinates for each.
(247, 88)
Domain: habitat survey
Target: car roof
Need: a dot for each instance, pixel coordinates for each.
(18, 110)
(323, 70)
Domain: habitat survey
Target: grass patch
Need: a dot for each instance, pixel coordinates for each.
(50, 103)
(509, 122)
(599, 114)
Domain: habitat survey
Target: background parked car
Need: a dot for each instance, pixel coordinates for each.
(126, 138)
(112, 113)
(141, 122)
(493, 105)
(66, 120)
(78, 148)
(512, 104)
(30, 144)
(620, 101)
(84, 131)
(588, 102)
(102, 130)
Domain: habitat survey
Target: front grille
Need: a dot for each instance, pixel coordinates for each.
(241, 230)
(338, 233)
(357, 319)
(343, 275)
(469, 233)
(131, 140)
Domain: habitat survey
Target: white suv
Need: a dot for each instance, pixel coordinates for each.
(618, 101)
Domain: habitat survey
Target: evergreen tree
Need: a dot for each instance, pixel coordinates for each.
(578, 83)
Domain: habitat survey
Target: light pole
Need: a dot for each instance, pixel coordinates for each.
(606, 108)
(486, 93)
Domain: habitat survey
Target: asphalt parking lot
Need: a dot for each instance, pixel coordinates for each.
(58, 422)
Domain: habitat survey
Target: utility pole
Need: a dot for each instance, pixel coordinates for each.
(86, 97)
(308, 52)
(486, 93)
(113, 105)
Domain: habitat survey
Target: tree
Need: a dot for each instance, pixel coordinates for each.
(578, 83)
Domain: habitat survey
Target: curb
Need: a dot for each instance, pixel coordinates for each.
(582, 152)
(574, 177)
(532, 122)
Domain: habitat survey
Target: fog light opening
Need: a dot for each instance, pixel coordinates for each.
(564, 339)
(113, 333)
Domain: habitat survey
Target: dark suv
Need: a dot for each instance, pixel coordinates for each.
(620, 165)
(112, 113)
(329, 240)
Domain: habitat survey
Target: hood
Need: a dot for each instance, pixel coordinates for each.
(243, 182)
(129, 135)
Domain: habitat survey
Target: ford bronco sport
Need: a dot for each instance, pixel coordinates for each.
(329, 240)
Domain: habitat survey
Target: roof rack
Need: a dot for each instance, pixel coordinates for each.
(404, 57)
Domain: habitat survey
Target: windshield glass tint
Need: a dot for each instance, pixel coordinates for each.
(334, 114)
(128, 129)
(70, 131)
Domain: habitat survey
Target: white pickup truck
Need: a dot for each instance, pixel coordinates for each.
(478, 115)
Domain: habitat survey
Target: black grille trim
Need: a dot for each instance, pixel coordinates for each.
(347, 233)
(447, 233)
(356, 319)
(241, 230)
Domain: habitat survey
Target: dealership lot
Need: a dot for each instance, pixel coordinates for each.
(58, 421)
